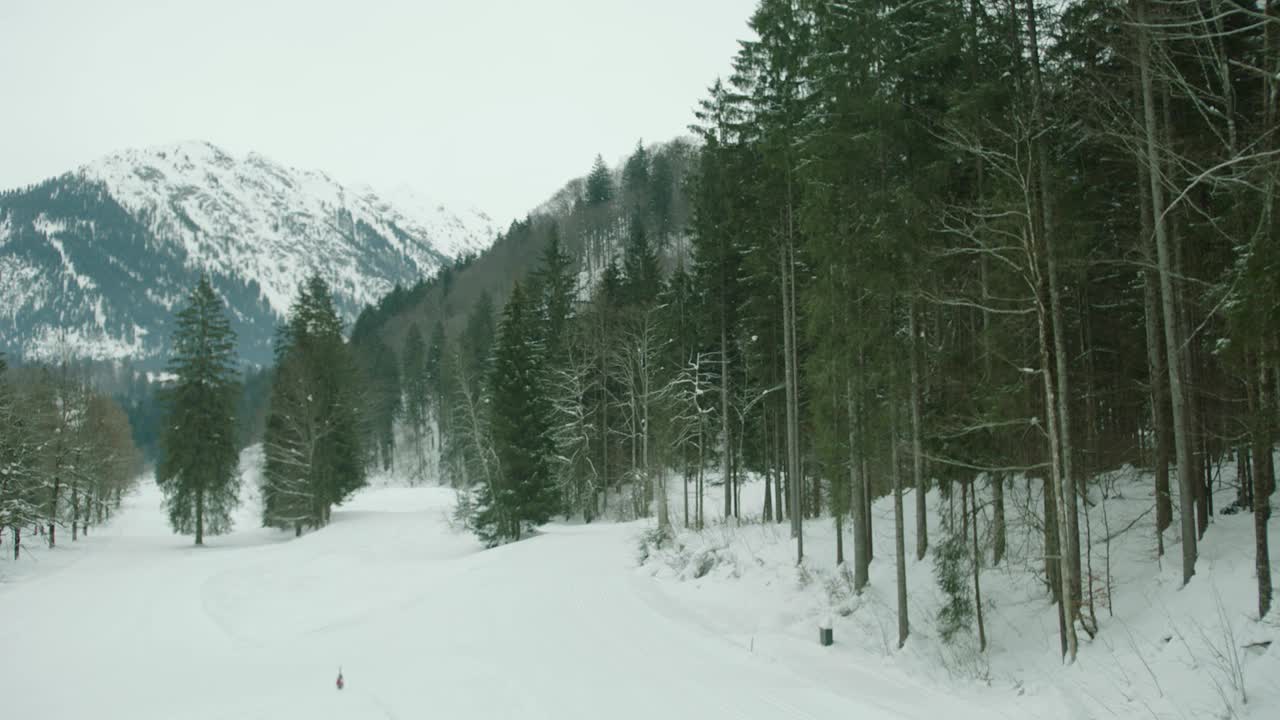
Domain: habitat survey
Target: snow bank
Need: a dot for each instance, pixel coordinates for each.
(1163, 651)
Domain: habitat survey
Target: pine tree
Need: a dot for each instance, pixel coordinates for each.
(556, 283)
(636, 181)
(600, 190)
(19, 455)
(413, 378)
(523, 495)
(314, 456)
(383, 399)
(198, 465)
(640, 266)
(418, 395)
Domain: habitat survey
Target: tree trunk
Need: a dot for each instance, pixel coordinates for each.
(1066, 596)
(867, 498)
(839, 538)
(1263, 484)
(917, 452)
(697, 500)
(765, 437)
(779, 496)
(898, 524)
(794, 480)
(1264, 476)
(1156, 372)
(857, 494)
(1053, 347)
(604, 430)
(998, 533)
(53, 510)
(199, 516)
(686, 498)
(724, 417)
(1244, 477)
(1066, 448)
(1172, 343)
(977, 564)
(766, 513)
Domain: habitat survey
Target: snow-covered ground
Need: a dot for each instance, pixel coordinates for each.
(1163, 650)
(135, 623)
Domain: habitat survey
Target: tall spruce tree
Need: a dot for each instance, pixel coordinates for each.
(523, 494)
(197, 469)
(600, 189)
(314, 456)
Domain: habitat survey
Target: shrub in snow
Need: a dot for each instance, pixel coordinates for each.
(840, 595)
(650, 541)
(464, 509)
(704, 562)
(951, 569)
(804, 578)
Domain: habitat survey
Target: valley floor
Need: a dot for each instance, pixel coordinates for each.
(136, 623)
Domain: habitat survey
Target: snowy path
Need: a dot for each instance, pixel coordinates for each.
(136, 623)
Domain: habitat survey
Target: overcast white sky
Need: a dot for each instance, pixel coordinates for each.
(491, 103)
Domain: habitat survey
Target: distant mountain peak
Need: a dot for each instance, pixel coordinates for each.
(114, 246)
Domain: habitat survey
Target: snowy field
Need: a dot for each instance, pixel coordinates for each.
(134, 622)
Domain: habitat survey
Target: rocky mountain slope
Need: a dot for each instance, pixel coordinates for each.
(94, 262)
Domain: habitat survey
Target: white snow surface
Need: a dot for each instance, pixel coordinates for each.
(135, 622)
(249, 217)
(1162, 651)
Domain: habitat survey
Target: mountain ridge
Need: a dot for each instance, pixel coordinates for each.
(93, 262)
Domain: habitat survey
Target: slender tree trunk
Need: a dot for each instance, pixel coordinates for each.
(868, 499)
(199, 516)
(1244, 477)
(724, 417)
(779, 494)
(1264, 475)
(900, 548)
(864, 461)
(53, 510)
(686, 498)
(17, 541)
(794, 480)
(998, 532)
(1181, 432)
(857, 493)
(917, 451)
(977, 564)
(1156, 373)
(1057, 400)
(1263, 483)
(697, 500)
(1066, 449)
(839, 538)
(1066, 596)
(767, 511)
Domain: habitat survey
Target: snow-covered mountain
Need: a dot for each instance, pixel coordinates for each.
(94, 262)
